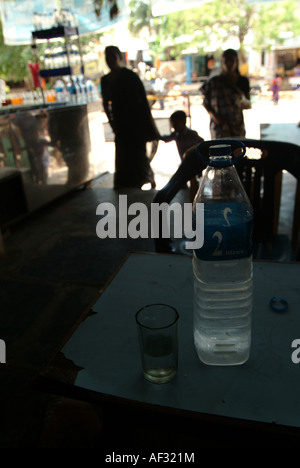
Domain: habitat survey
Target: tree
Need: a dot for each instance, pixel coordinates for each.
(14, 60)
(141, 19)
(217, 21)
(229, 19)
(273, 23)
(140, 16)
(236, 18)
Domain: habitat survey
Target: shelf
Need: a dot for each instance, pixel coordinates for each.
(59, 31)
(64, 32)
(64, 71)
(56, 72)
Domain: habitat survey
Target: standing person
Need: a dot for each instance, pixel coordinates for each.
(128, 112)
(276, 82)
(225, 97)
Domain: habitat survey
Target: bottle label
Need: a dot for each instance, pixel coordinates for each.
(227, 232)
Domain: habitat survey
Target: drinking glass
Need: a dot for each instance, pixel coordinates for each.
(158, 340)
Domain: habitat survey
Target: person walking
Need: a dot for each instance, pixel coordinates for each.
(128, 112)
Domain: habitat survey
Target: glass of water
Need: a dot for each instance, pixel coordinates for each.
(158, 339)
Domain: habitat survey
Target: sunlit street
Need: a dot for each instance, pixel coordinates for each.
(167, 159)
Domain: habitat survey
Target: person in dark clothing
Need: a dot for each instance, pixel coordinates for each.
(225, 97)
(128, 112)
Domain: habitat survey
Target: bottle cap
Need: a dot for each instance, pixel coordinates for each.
(220, 150)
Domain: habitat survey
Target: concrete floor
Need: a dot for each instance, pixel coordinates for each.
(52, 270)
(51, 273)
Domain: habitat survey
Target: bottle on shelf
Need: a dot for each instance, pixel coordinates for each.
(36, 21)
(63, 61)
(58, 54)
(47, 58)
(56, 18)
(38, 96)
(79, 90)
(72, 90)
(84, 89)
(60, 90)
(92, 92)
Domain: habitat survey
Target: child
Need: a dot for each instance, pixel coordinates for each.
(184, 137)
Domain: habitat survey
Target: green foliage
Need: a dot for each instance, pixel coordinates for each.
(14, 60)
(140, 16)
(273, 21)
(171, 34)
(221, 20)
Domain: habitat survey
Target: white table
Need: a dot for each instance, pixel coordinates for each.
(264, 390)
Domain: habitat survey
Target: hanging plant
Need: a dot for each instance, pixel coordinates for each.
(113, 10)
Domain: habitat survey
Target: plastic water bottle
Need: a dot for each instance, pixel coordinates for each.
(79, 90)
(222, 267)
(60, 90)
(72, 90)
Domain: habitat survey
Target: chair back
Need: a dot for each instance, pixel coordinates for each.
(260, 172)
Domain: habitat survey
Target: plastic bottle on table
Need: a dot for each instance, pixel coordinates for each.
(223, 284)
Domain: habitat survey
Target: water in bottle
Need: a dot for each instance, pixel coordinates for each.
(60, 90)
(223, 266)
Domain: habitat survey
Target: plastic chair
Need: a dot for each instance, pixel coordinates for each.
(261, 174)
